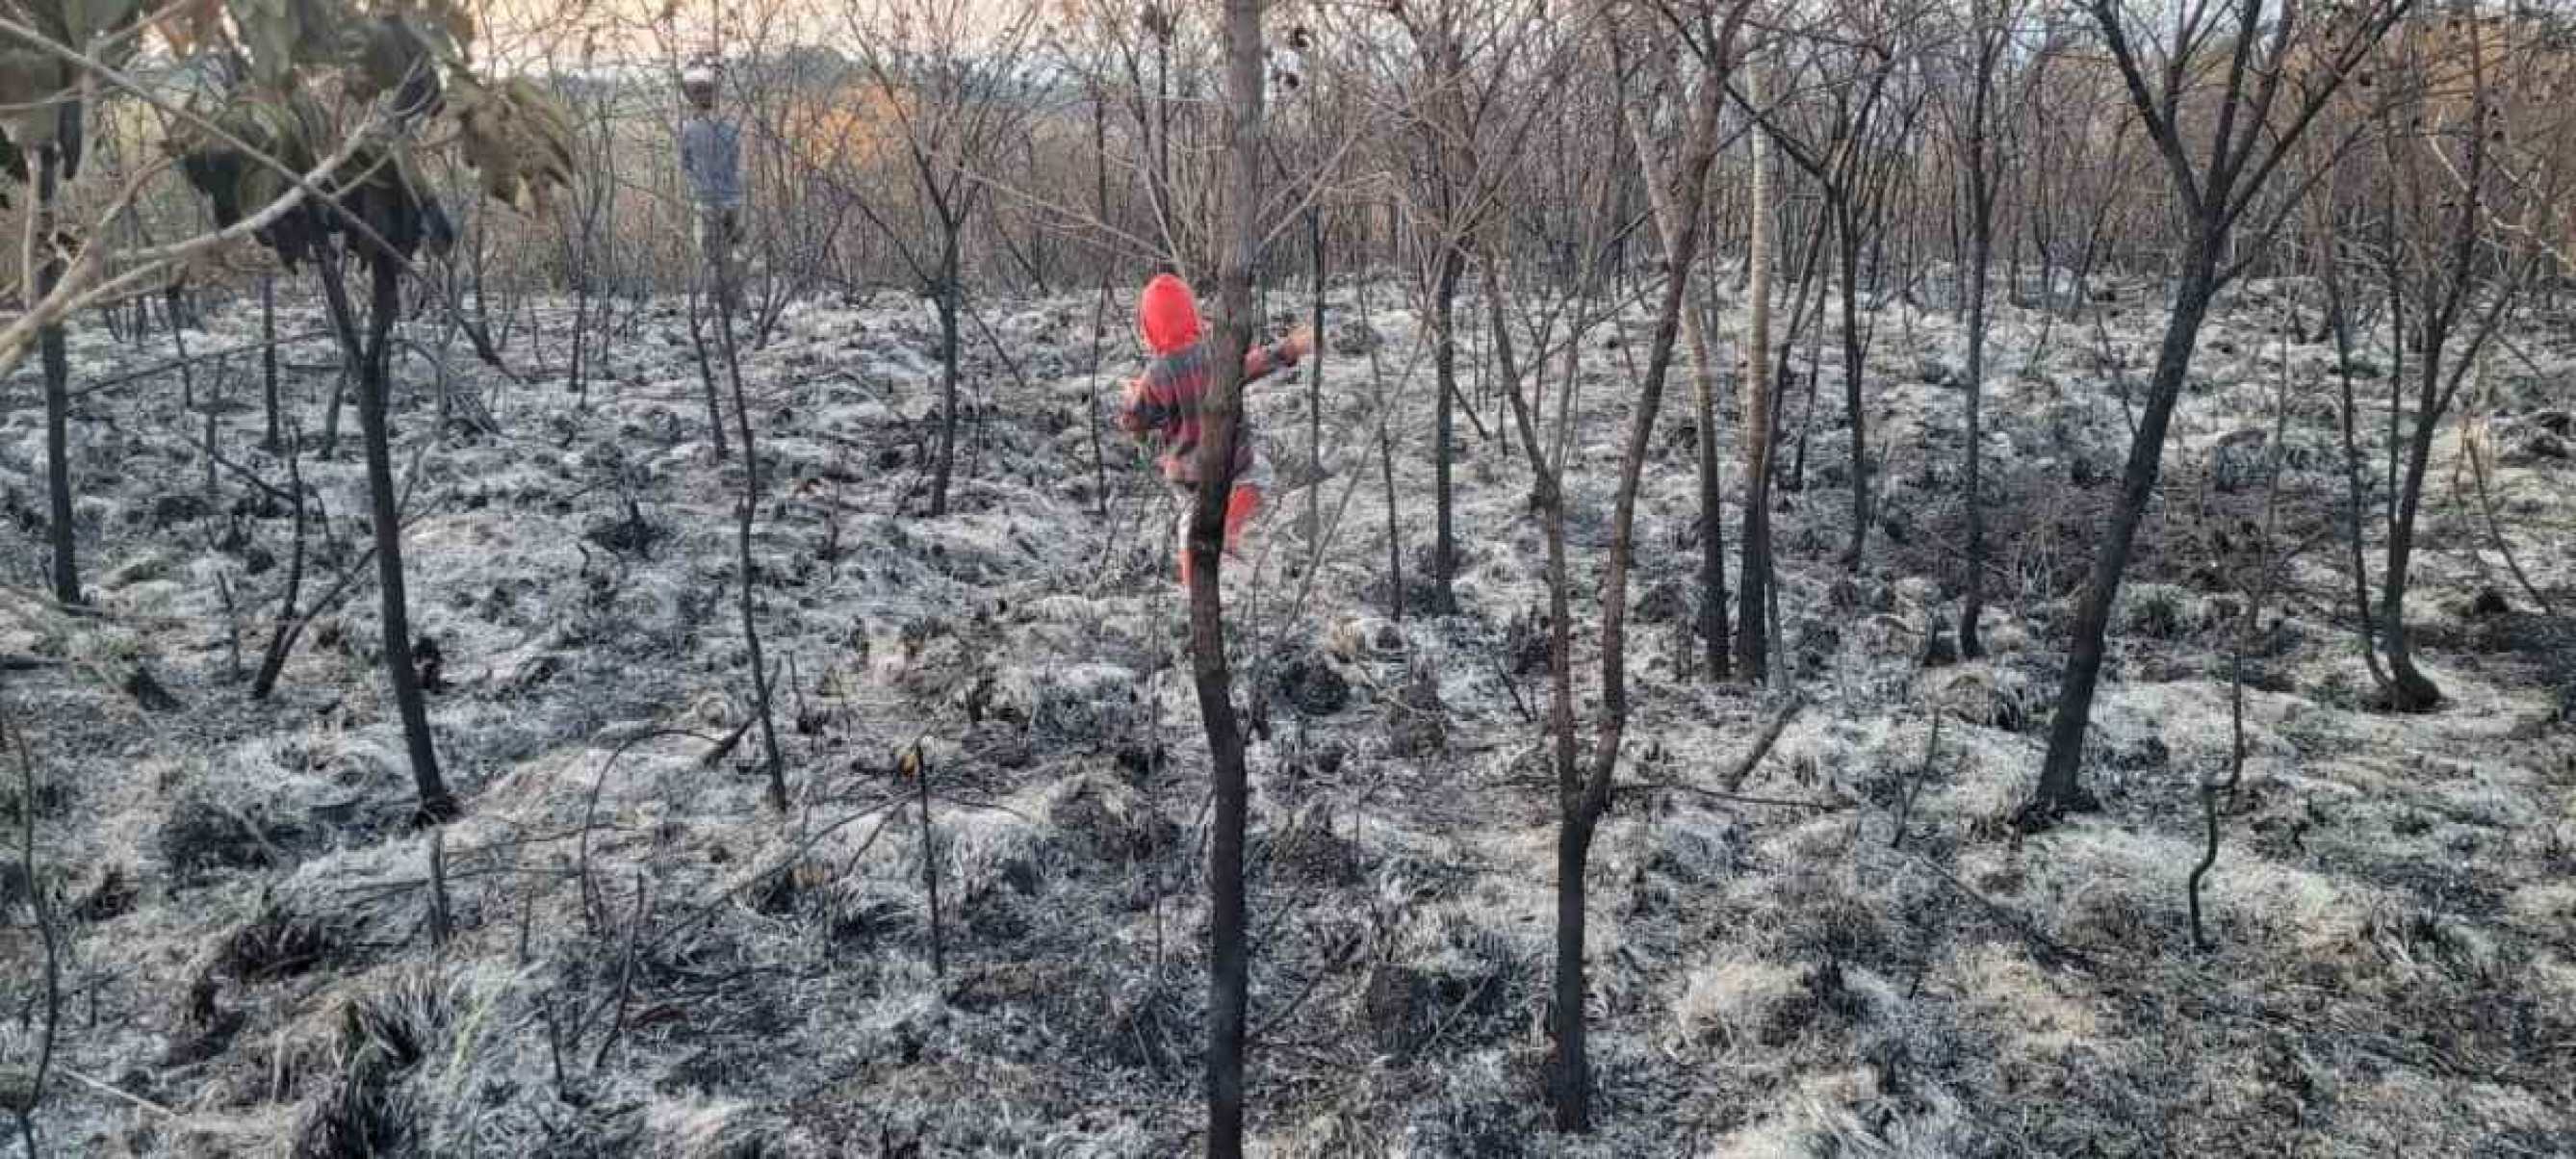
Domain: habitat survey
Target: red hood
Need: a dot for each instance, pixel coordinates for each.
(1168, 314)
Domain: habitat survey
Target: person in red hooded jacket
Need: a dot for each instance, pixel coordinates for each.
(1161, 406)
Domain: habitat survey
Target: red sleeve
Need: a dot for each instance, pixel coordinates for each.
(1258, 362)
(1132, 405)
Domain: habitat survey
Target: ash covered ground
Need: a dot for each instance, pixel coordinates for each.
(646, 960)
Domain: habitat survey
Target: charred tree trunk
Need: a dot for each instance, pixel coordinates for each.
(1712, 555)
(290, 622)
(2409, 689)
(1228, 953)
(2349, 414)
(1568, 1086)
(384, 272)
(58, 398)
(743, 562)
(1315, 391)
(1972, 605)
(706, 369)
(2060, 784)
(1848, 236)
(1981, 250)
(1444, 310)
(274, 440)
(1581, 804)
(948, 309)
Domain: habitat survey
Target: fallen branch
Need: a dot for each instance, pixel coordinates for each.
(794, 854)
(1762, 744)
(724, 748)
(118, 1092)
(2004, 915)
(130, 376)
(1732, 798)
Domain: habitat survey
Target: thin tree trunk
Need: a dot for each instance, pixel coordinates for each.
(2209, 854)
(1386, 477)
(2060, 784)
(1712, 555)
(1100, 307)
(1848, 235)
(743, 562)
(948, 306)
(1570, 1076)
(58, 399)
(1981, 249)
(1581, 806)
(706, 370)
(344, 322)
(929, 864)
(1228, 954)
(1444, 361)
(1751, 643)
(385, 278)
(579, 268)
(268, 359)
(1315, 391)
(289, 623)
(2410, 689)
(2349, 412)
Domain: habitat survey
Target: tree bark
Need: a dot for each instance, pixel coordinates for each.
(385, 284)
(1581, 806)
(1444, 356)
(275, 441)
(1753, 576)
(1315, 391)
(1712, 555)
(1848, 236)
(2409, 689)
(2060, 784)
(948, 307)
(2348, 412)
(1981, 250)
(707, 370)
(289, 622)
(1570, 1078)
(1228, 954)
(749, 512)
(58, 400)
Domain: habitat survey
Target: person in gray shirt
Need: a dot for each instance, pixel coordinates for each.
(711, 157)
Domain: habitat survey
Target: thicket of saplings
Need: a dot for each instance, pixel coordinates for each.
(1522, 169)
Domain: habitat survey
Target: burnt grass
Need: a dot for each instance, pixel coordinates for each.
(643, 959)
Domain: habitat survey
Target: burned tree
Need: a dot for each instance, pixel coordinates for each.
(2466, 176)
(2263, 73)
(1229, 964)
(367, 201)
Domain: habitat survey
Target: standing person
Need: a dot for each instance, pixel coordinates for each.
(711, 157)
(1161, 406)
